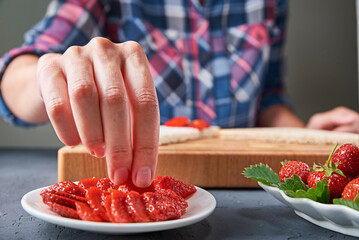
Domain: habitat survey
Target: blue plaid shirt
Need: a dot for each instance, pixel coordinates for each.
(220, 61)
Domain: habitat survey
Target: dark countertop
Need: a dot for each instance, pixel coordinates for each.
(240, 213)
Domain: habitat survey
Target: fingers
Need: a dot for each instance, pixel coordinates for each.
(53, 89)
(338, 119)
(83, 98)
(115, 109)
(145, 113)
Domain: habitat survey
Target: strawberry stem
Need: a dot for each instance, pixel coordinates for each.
(331, 154)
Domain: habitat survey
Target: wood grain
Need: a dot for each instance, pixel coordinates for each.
(209, 162)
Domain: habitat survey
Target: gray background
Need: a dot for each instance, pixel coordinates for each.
(321, 59)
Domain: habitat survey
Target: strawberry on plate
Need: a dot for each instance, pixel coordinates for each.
(291, 168)
(351, 190)
(347, 159)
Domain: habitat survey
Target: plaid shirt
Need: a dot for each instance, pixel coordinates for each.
(219, 61)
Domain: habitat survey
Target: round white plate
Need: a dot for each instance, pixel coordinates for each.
(338, 218)
(200, 205)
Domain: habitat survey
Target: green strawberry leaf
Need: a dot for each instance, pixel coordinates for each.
(262, 173)
(348, 203)
(293, 184)
(318, 194)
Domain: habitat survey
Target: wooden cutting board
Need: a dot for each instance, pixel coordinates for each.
(211, 162)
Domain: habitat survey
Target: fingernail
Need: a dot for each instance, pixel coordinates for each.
(143, 177)
(121, 175)
(99, 152)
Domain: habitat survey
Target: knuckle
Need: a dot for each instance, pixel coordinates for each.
(48, 64)
(55, 107)
(82, 89)
(123, 151)
(73, 51)
(145, 99)
(100, 44)
(132, 48)
(114, 95)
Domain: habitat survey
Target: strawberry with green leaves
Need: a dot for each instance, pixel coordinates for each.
(291, 168)
(346, 157)
(335, 178)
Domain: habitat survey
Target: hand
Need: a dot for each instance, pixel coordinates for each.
(103, 95)
(339, 119)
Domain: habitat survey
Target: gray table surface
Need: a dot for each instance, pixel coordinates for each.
(240, 213)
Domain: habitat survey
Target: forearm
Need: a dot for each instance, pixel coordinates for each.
(20, 90)
(279, 116)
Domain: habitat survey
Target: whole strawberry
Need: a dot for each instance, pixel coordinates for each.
(351, 190)
(336, 179)
(346, 157)
(294, 168)
(336, 182)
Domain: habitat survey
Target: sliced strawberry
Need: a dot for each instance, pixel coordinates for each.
(179, 121)
(105, 183)
(107, 204)
(49, 197)
(119, 210)
(136, 207)
(64, 211)
(164, 204)
(183, 189)
(129, 186)
(72, 196)
(95, 198)
(86, 213)
(199, 124)
(88, 182)
(64, 186)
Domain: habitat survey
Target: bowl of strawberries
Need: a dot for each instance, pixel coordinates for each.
(325, 194)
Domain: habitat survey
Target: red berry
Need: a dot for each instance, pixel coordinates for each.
(182, 189)
(335, 182)
(164, 204)
(64, 211)
(95, 198)
(294, 168)
(199, 124)
(86, 213)
(179, 121)
(136, 207)
(347, 159)
(351, 190)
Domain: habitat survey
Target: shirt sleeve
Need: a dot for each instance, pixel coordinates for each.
(273, 91)
(66, 23)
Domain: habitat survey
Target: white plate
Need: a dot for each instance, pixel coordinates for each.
(200, 205)
(338, 218)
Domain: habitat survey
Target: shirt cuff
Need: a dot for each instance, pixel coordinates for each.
(5, 112)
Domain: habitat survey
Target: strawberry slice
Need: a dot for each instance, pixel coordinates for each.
(88, 182)
(95, 198)
(63, 210)
(129, 186)
(86, 213)
(105, 183)
(72, 196)
(49, 197)
(182, 189)
(136, 207)
(119, 210)
(65, 186)
(179, 121)
(164, 204)
(199, 124)
(107, 204)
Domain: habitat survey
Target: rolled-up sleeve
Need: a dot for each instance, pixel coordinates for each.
(66, 23)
